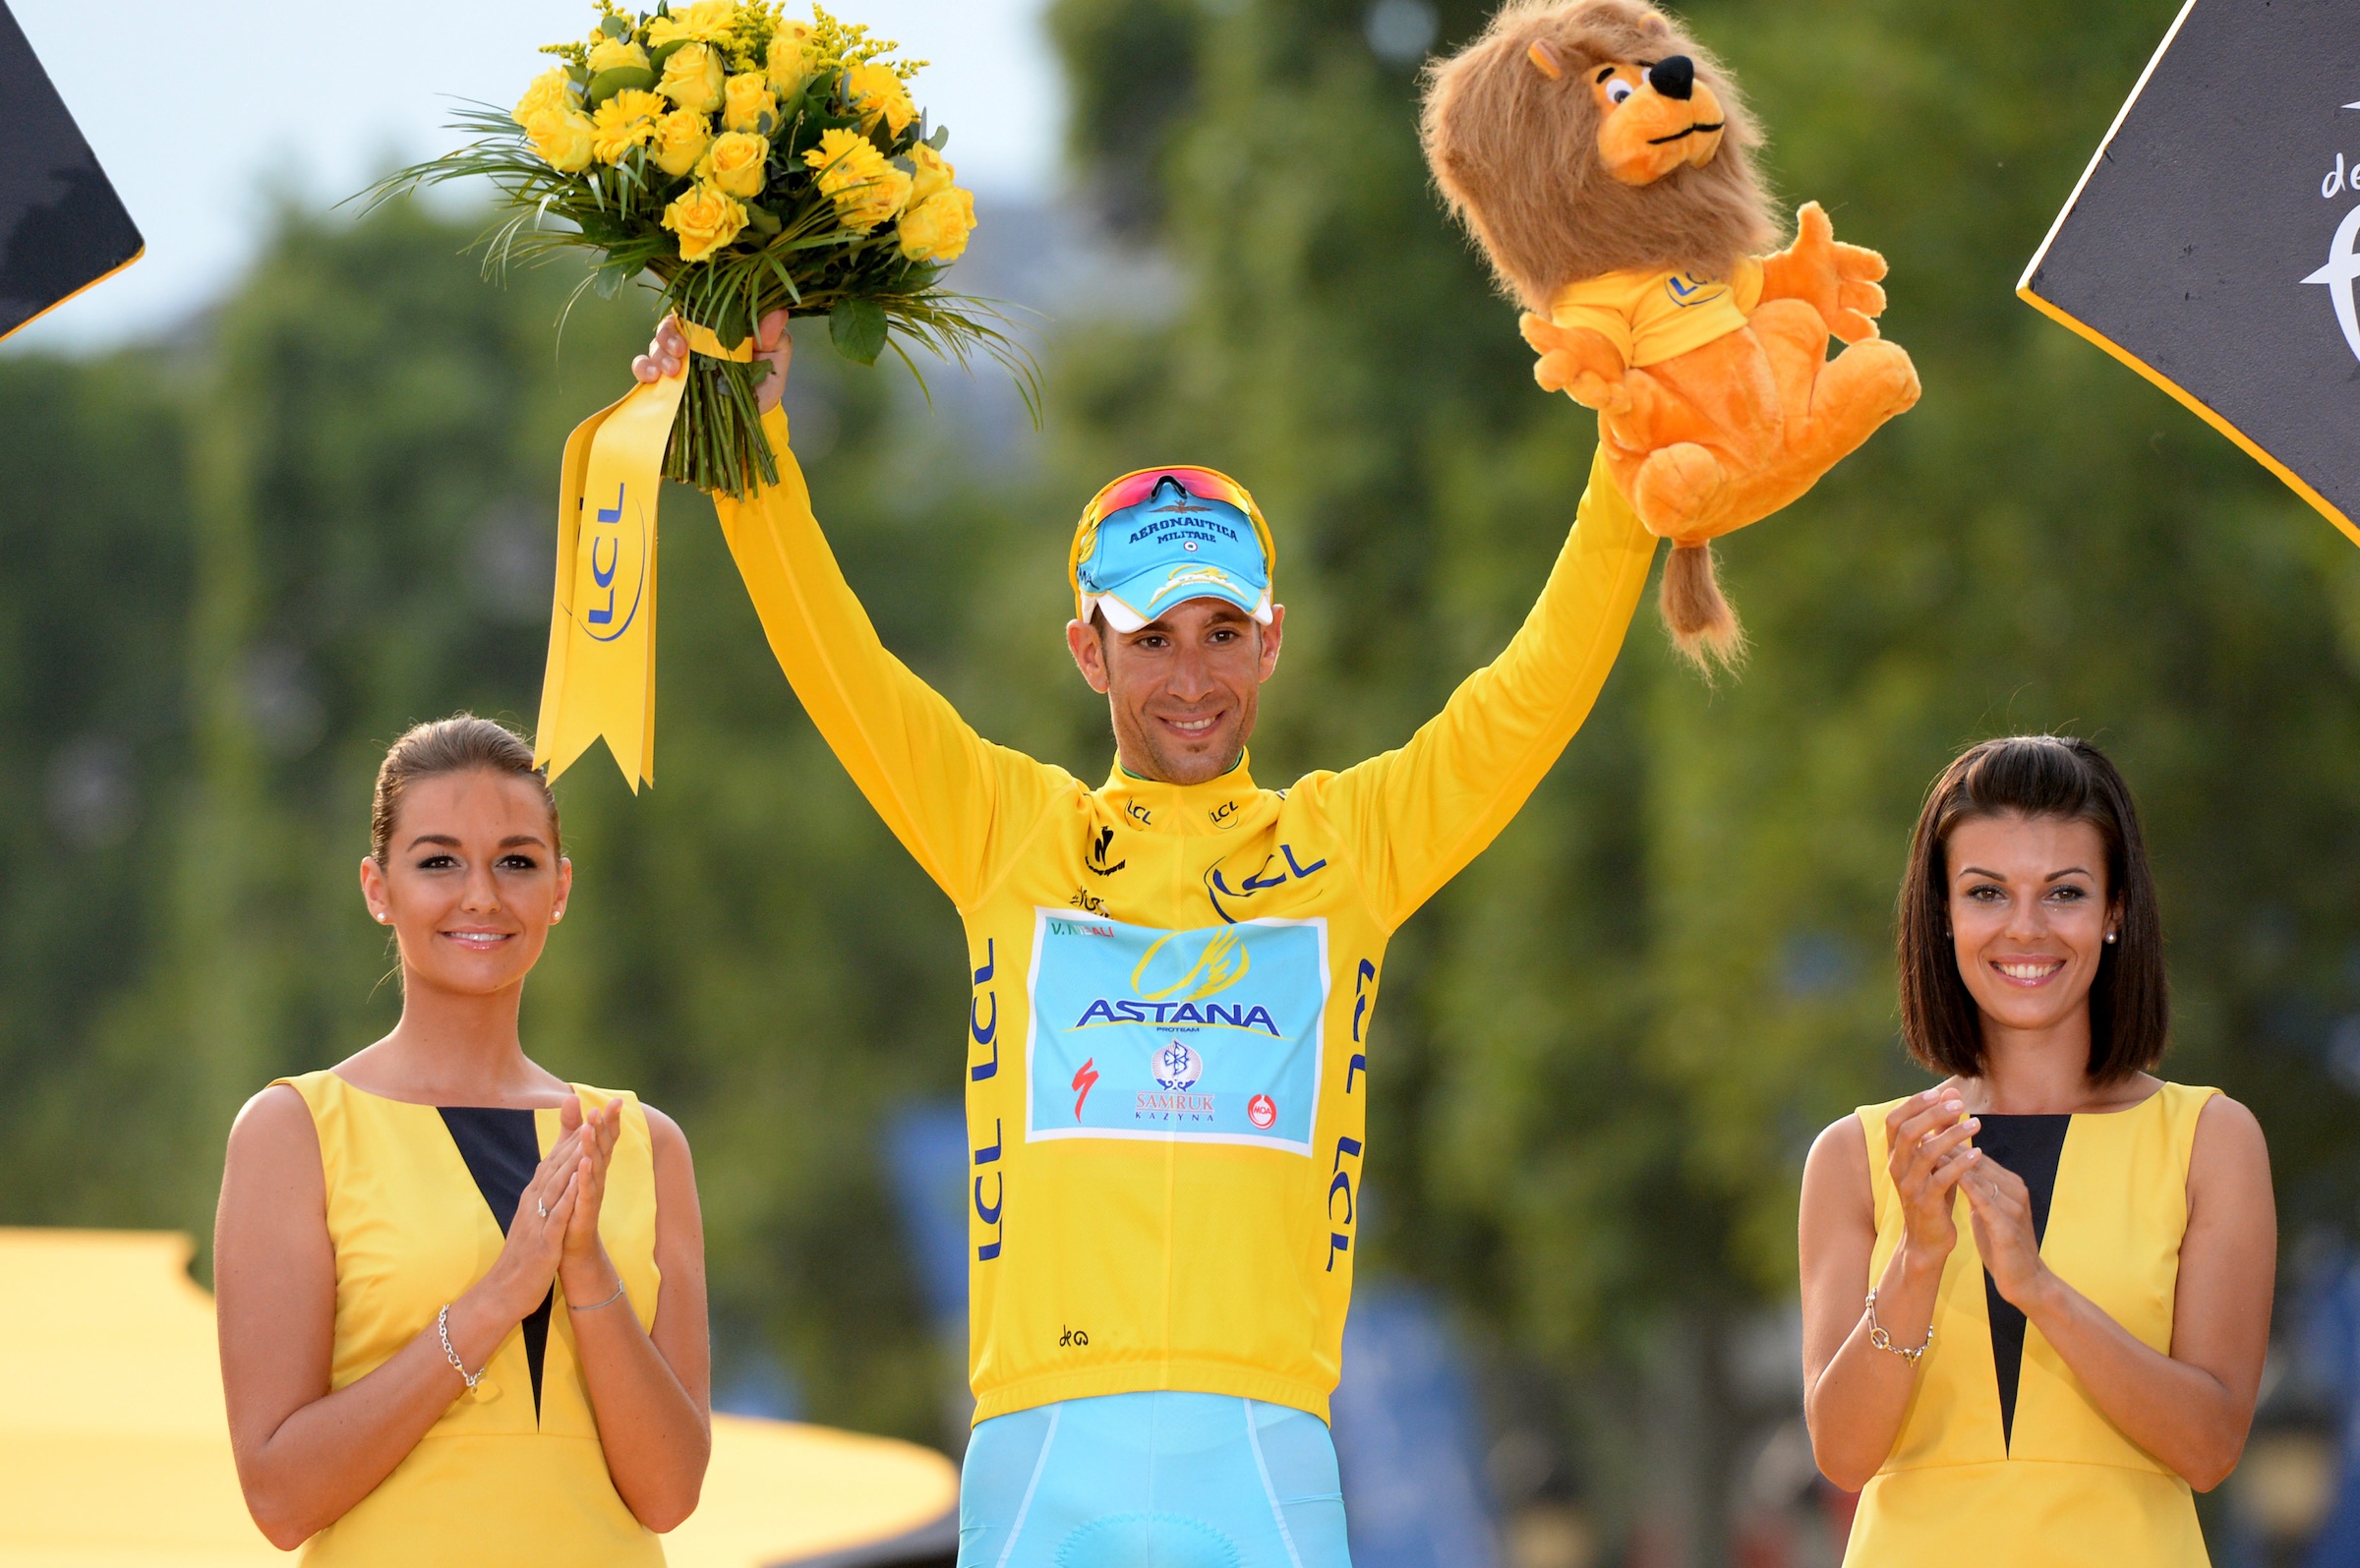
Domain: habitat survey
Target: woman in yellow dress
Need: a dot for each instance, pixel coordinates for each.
(462, 1301)
(2036, 1295)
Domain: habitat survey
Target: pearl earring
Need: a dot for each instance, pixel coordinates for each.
(2109, 937)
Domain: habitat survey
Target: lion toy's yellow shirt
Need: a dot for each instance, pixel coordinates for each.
(1653, 316)
(1166, 1045)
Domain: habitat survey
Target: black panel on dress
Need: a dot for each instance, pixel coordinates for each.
(502, 1149)
(2029, 1146)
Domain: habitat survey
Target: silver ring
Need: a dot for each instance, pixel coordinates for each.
(542, 1207)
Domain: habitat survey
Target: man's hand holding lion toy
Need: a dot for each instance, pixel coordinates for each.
(1603, 162)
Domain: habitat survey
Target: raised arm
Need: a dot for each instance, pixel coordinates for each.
(1416, 816)
(957, 802)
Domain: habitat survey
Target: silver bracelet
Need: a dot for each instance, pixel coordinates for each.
(595, 1306)
(443, 1332)
(1884, 1341)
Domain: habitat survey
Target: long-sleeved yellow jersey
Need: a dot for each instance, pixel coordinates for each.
(1167, 1037)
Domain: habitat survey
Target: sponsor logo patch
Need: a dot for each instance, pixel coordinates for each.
(1209, 1036)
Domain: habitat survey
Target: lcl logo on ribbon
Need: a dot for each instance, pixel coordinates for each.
(600, 619)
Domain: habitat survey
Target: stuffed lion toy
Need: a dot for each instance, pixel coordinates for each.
(1602, 161)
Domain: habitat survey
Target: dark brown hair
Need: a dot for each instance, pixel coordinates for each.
(2034, 776)
(462, 744)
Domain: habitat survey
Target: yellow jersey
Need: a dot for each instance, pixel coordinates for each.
(2057, 1486)
(1167, 1037)
(1651, 316)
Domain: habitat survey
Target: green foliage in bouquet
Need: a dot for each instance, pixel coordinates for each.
(749, 163)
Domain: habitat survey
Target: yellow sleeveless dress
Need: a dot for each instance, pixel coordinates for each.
(2066, 1489)
(494, 1481)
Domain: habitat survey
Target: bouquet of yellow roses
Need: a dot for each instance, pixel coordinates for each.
(750, 161)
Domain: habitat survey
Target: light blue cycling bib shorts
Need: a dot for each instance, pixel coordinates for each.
(1160, 1479)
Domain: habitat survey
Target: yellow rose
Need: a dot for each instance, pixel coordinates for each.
(745, 98)
(692, 77)
(705, 219)
(843, 159)
(626, 121)
(876, 93)
(934, 173)
(615, 54)
(706, 22)
(565, 138)
(735, 163)
(855, 175)
(680, 139)
(551, 90)
(936, 229)
(788, 63)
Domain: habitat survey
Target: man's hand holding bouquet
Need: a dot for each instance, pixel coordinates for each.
(748, 161)
(755, 166)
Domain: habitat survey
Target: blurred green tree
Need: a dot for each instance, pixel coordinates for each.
(95, 751)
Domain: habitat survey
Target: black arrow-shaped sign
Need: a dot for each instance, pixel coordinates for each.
(2214, 242)
(62, 227)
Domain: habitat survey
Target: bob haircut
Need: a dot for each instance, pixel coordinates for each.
(2033, 776)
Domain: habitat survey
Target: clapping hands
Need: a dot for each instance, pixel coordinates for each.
(554, 1232)
(588, 1144)
(2000, 1207)
(1926, 1153)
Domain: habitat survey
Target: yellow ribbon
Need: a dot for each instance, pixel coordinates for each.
(702, 341)
(600, 677)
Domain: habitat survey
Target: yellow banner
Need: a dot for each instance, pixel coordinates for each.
(601, 678)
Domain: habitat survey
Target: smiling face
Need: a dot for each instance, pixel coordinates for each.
(1183, 690)
(1654, 116)
(2029, 914)
(471, 882)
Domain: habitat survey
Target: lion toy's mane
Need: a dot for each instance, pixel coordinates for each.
(1515, 154)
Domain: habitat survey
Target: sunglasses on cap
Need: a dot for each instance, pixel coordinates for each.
(1205, 484)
